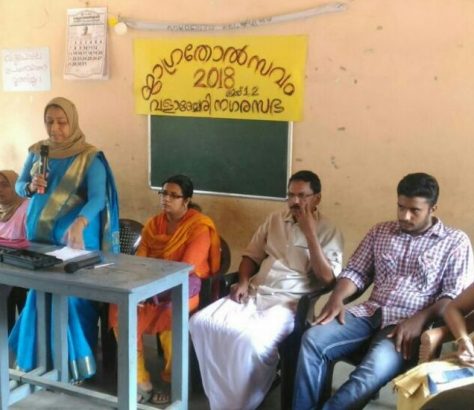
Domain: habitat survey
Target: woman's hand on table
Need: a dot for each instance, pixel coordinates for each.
(74, 235)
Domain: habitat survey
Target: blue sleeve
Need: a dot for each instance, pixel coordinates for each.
(95, 185)
(25, 177)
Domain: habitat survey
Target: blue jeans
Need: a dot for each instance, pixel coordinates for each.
(323, 344)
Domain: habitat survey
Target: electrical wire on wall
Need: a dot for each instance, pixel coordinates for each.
(122, 24)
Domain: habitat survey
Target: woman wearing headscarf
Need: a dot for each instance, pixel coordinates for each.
(183, 234)
(74, 204)
(12, 211)
(12, 232)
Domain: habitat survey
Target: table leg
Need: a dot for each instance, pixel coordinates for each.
(43, 329)
(180, 366)
(127, 355)
(4, 377)
(60, 319)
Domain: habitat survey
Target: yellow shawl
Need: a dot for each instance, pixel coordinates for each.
(190, 226)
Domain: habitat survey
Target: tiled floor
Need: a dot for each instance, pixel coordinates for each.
(105, 382)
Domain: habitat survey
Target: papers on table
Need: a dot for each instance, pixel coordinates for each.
(68, 253)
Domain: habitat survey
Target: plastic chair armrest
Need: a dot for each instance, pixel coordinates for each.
(225, 281)
(304, 304)
(431, 341)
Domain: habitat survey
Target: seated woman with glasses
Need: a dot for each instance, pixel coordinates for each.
(178, 233)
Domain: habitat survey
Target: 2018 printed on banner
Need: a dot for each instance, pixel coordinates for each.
(222, 77)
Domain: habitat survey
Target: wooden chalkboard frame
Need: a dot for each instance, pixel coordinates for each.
(284, 148)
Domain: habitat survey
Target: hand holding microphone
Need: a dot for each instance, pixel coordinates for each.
(38, 183)
(43, 169)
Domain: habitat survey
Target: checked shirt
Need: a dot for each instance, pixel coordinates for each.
(409, 272)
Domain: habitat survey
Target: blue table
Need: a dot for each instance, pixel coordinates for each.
(128, 281)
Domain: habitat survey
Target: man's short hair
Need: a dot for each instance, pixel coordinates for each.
(307, 176)
(419, 184)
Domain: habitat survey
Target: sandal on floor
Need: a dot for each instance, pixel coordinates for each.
(161, 395)
(143, 396)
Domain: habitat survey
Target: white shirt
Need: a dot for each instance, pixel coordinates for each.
(280, 248)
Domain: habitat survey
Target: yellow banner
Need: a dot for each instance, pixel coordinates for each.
(221, 77)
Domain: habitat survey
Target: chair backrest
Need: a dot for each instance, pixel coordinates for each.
(130, 235)
(210, 287)
(225, 257)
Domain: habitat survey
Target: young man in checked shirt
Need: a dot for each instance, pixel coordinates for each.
(417, 265)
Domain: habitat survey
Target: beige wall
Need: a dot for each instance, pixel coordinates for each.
(389, 90)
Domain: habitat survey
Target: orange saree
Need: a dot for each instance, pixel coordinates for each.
(195, 242)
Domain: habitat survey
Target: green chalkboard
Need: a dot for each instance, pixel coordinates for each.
(222, 156)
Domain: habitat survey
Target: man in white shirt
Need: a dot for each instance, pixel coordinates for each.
(294, 252)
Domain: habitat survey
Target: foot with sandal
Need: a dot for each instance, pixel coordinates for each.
(160, 395)
(144, 392)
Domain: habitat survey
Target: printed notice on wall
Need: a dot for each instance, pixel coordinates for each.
(86, 50)
(26, 69)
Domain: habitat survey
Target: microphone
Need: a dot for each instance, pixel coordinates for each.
(44, 153)
(71, 267)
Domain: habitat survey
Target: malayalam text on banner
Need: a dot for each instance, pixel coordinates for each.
(222, 77)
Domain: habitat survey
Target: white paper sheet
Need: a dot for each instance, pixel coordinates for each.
(68, 253)
(26, 69)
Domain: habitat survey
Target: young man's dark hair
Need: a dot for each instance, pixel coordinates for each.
(419, 184)
(307, 176)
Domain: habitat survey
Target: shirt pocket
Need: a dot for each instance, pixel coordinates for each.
(386, 268)
(427, 272)
(298, 239)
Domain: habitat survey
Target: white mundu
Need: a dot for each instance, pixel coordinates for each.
(236, 343)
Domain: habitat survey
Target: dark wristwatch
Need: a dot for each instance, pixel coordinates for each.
(29, 194)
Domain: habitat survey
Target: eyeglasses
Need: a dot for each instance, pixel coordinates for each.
(301, 196)
(170, 195)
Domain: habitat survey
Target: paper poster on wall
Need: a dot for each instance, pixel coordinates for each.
(86, 49)
(259, 77)
(26, 69)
